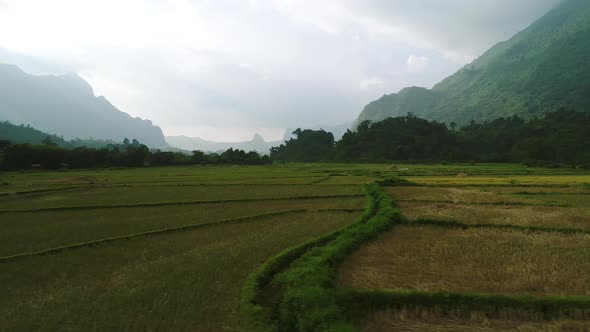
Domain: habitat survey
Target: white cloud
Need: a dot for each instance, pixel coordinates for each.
(369, 83)
(253, 63)
(418, 63)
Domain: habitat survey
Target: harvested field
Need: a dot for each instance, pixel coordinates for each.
(536, 216)
(488, 261)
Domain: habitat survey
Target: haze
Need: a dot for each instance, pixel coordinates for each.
(223, 69)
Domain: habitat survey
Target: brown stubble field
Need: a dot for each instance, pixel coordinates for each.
(446, 245)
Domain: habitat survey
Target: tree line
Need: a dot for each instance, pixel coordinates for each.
(129, 154)
(558, 138)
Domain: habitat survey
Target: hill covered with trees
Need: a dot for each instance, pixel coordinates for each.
(541, 69)
(550, 140)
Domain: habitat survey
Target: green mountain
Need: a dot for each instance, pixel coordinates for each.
(541, 69)
(26, 134)
(66, 105)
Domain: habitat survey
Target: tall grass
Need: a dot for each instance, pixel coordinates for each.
(309, 297)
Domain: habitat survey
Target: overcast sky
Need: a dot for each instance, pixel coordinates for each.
(224, 69)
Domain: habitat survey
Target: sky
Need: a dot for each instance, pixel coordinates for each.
(226, 69)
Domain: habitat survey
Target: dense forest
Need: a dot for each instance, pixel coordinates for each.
(554, 139)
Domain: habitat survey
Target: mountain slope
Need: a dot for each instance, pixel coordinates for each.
(540, 69)
(66, 105)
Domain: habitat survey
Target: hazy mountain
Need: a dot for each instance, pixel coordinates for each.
(66, 105)
(540, 69)
(257, 143)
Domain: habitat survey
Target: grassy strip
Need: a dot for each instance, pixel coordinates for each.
(532, 193)
(327, 178)
(526, 229)
(341, 210)
(311, 298)
(499, 185)
(256, 316)
(122, 206)
(480, 203)
(546, 308)
(147, 233)
(42, 191)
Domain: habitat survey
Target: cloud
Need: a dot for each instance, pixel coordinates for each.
(254, 63)
(369, 83)
(418, 63)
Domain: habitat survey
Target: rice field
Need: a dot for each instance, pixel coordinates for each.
(472, 260)
(188, 281)
(478, 252)
(208, 248)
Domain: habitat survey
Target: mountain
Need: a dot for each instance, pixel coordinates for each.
(541, 69)
(66, 105)
(257, 143)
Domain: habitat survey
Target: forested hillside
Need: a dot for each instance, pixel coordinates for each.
(539, 70)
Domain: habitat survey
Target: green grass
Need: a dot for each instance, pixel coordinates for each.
(309, 299)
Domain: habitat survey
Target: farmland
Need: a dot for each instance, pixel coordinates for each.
(295, 246)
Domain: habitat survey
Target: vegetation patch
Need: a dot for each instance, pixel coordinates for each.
(310, 298)
(507, 227)
(415, 307)
(396, 182)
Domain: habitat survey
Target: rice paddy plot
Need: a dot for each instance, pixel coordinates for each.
(121, 195)
(472, 260)
(187, 281)
(33, 231)
(532, 216)
(503, 180)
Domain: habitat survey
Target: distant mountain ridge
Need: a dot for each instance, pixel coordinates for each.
(540, 69)
(66, 105)
(257, 143)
